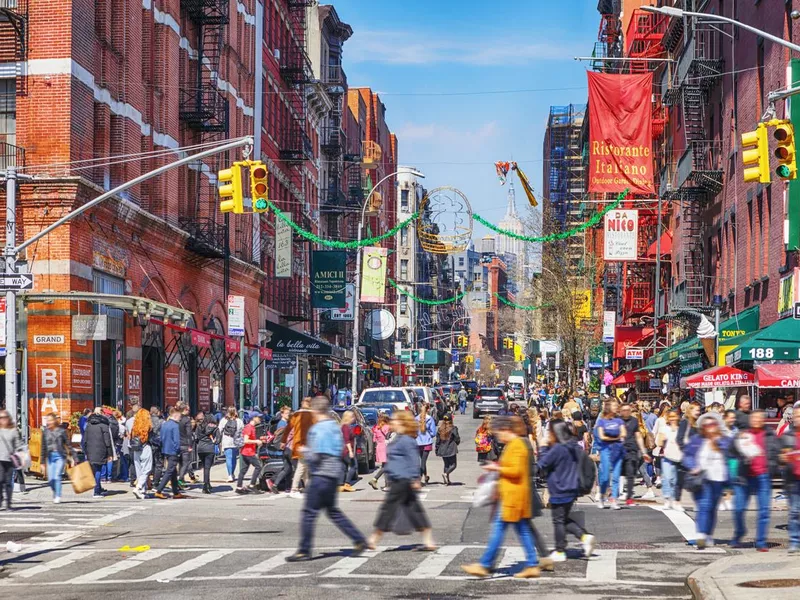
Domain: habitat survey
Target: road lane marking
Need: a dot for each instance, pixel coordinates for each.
(436, 562)
(56, 563)
(602, 567)
(189, 565)
(511, 556)
(123, 565)
(682, 522)
(266, 566)
(345, 566)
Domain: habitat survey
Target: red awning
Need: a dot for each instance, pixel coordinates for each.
(778, 376)
(666, 246)
(626, 335)
(720, 377)
(627, 378)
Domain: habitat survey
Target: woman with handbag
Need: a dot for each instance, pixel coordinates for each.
(447, 441)
(56, 449)
(11, 446)
(671, 456)
(705, 459)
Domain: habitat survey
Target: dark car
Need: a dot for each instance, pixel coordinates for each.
(489, 401)
(472, 389)
(362, 435)
(372, 411)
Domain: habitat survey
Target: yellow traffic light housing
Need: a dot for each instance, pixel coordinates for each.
(230, 192)
(785, 151)
(756, 157)
(259, 186)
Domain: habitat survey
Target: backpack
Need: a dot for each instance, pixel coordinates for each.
(230, 428)
(587, 474)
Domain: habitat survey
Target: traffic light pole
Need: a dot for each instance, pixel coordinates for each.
(11, 252)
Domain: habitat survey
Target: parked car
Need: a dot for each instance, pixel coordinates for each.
(430, 396)
(399, 397)
(489, 401)
(364, 445)
(516, 391)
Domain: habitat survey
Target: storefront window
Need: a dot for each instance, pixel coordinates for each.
(109, 354)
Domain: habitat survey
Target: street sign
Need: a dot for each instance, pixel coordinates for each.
(235, 316)
(16, 281)
(454, 356)
(634, 353)
(797, 310)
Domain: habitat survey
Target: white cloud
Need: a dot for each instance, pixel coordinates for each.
(413, 48)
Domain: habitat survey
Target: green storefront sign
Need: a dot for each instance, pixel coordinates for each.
(328, 279)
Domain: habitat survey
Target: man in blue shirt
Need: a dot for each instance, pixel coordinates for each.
(171, 450)
(324, 458)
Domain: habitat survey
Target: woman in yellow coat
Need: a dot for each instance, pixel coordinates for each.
(514, 502)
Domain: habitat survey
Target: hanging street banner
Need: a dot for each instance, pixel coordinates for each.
(621, 235)
(283, 248)
(347, 313)
(328, 278)
(620, 133)
(373, 275)
(609, 322)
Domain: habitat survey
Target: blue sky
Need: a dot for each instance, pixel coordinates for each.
(446, 46)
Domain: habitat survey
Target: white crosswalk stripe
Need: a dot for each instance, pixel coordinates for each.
(70, 567)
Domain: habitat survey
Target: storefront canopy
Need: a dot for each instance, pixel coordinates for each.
(666, 246)
(289, 341)
(779, 341)
(720, 377)
(135, 304)
(628, 378)
(786, 375)
(660, 364)
(736, 330)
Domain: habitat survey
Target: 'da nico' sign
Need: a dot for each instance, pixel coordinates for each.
(621, 235)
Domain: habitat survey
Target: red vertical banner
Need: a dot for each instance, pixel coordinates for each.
(620, 133)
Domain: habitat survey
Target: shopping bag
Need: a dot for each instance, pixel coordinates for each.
(82, 477)
(486, 494)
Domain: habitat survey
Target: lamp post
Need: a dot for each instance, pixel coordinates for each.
(357, 295)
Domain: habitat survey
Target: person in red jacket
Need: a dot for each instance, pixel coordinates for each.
(249, 454)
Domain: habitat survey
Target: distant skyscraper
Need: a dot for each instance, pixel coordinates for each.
(513, 251)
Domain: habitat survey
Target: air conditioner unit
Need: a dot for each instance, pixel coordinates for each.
(277, 54)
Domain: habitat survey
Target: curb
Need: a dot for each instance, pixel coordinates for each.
(702, 584)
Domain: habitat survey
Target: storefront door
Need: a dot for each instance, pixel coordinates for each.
(152, 366)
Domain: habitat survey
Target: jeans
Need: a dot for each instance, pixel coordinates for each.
(247, 462)
(707, 500)
(630, 467)
(186, 464)
(98, 470)
(609, 471)
(378, 472)
(207, 460)
(231, 454)
(55, 467)
(158, 463)
(170, 475)
(497, 535)
(350, 470)
(794, 515)
(761, 487)
(669, 478)
(6, 481)
(321, 495)
(563, 523)
(462, 406)
(121, 466)
(143, 462)
(450, 463)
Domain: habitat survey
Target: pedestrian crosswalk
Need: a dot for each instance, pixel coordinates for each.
(86, 566)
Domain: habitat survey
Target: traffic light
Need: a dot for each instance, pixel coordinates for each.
(785, 151)
(756, 158)
(259, 187)
(508, 343)
(463, 341)
(230, 192)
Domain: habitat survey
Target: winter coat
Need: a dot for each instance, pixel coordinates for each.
(98, 444)
(448, 447)
(207, 436)
(379, 435)
(186, 434)
(54, 440)
(514, 486)
(559, 463)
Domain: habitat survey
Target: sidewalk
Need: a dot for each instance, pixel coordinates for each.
(742, 576)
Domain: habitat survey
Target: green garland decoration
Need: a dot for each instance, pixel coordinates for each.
(370, 241)
(508, 302)
(455, 298)
(561, 235)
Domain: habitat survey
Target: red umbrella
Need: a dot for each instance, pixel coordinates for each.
(720, 377)
(627, 378)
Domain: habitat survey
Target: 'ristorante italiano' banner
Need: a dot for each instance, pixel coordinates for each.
(620, 133)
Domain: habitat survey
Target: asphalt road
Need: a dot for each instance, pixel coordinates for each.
(235, 545)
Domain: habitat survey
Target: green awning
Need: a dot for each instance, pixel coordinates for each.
(745, 323)
(779, 341)
(658, 365)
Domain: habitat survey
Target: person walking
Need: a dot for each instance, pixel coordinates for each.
(382, 432)
(349, 452)
(790, 457)
(402, 468)
(484, 440)
(635, 453)
(758, 449)
(231, 427)
(207, 437)
(609, 439)
(249, 452)
(705, 459)
(99, 447)
(300, 424)
(56, 448)
(171, 450)
(187, 442)
(462, 400)
(514, 503)
(671, 458)
(141, 450)
(559, 464)
(323, 455)
(10, 443)
(156, 421)
(447, 441)
(281, 435)
(425, 437)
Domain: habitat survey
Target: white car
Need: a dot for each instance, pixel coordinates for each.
(396, 396)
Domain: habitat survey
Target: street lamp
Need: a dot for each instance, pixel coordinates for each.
(357, 296)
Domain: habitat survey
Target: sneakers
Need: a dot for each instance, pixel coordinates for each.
(229, 479)
(528, 573)
(298, 557)
(96, 495)
(475, 569)
(136, 492)
(630, 502)
(271, 486)
(558, 557)
(241, 491)
(667, 504)
(295, 494)
(677, 506)
(57, 500)
(649, 495)
(588, 541)
(373, 483)
(614, 505)
(601, 502)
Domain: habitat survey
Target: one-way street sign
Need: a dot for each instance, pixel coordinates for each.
(18, 281)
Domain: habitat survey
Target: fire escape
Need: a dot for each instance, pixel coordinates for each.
(14, 37)
(203, 108)
(698, 174)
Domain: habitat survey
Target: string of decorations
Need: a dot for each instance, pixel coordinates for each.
(508, 302)
(425, 301)
(561, 235)
(370, 241)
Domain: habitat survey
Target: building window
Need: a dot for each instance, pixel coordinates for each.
(404, 236)
(460, 261)
(403, 304)
(404, 200)
(404, 270)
